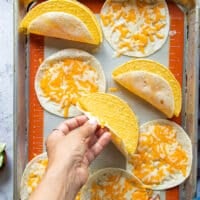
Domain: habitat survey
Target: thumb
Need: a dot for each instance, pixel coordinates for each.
(88, 129)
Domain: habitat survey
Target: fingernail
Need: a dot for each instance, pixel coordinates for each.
(92, 121)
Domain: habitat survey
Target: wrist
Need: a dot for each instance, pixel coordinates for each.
(62, 178)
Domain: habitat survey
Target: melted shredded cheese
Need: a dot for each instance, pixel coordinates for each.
(118, 187)
(134, 24)
(159, 156)
(65, 81)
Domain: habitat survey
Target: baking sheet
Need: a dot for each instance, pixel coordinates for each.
(41, 122)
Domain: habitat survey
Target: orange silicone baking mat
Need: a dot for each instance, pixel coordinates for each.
(37, 54)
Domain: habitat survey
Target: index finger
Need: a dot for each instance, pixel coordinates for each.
(71, 124)
(98, 147)
(87, 129)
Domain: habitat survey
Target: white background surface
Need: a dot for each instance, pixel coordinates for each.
(6, 96)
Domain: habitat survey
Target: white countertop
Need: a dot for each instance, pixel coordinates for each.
(6, 96)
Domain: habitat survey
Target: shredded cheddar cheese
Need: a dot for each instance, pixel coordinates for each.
(65, 81)
(124, 22)
(36, 172)
(113, 89)
(78, 196)
(159, 155)
(118, 187)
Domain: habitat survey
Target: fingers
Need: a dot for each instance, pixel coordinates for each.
(65, 127)
(97, 148)
(101, 131)
(72, 124)
(87, 130)
(92, 140)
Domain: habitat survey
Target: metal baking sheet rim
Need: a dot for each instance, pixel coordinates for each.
(189, 114)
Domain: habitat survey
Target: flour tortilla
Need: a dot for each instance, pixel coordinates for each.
(111, 36)
(115, 138)
(148, 70)
(186, 144)
(151, 87)
(24, 194)
(100, 176)
(61, 25)
(59, 56)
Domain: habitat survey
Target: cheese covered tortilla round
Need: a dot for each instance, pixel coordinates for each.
(135, 28)
(163, 158)
(114, 183)
(32, 175)
(64, 77)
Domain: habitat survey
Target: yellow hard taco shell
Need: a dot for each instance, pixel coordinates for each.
(66, 19)
(153, 82)
(114, 113)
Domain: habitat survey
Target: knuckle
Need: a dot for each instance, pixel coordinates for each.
(51, 138)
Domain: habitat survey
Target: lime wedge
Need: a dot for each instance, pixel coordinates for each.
(1, 160)
(2, 147)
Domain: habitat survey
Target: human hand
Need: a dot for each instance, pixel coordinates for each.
(71, 147)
